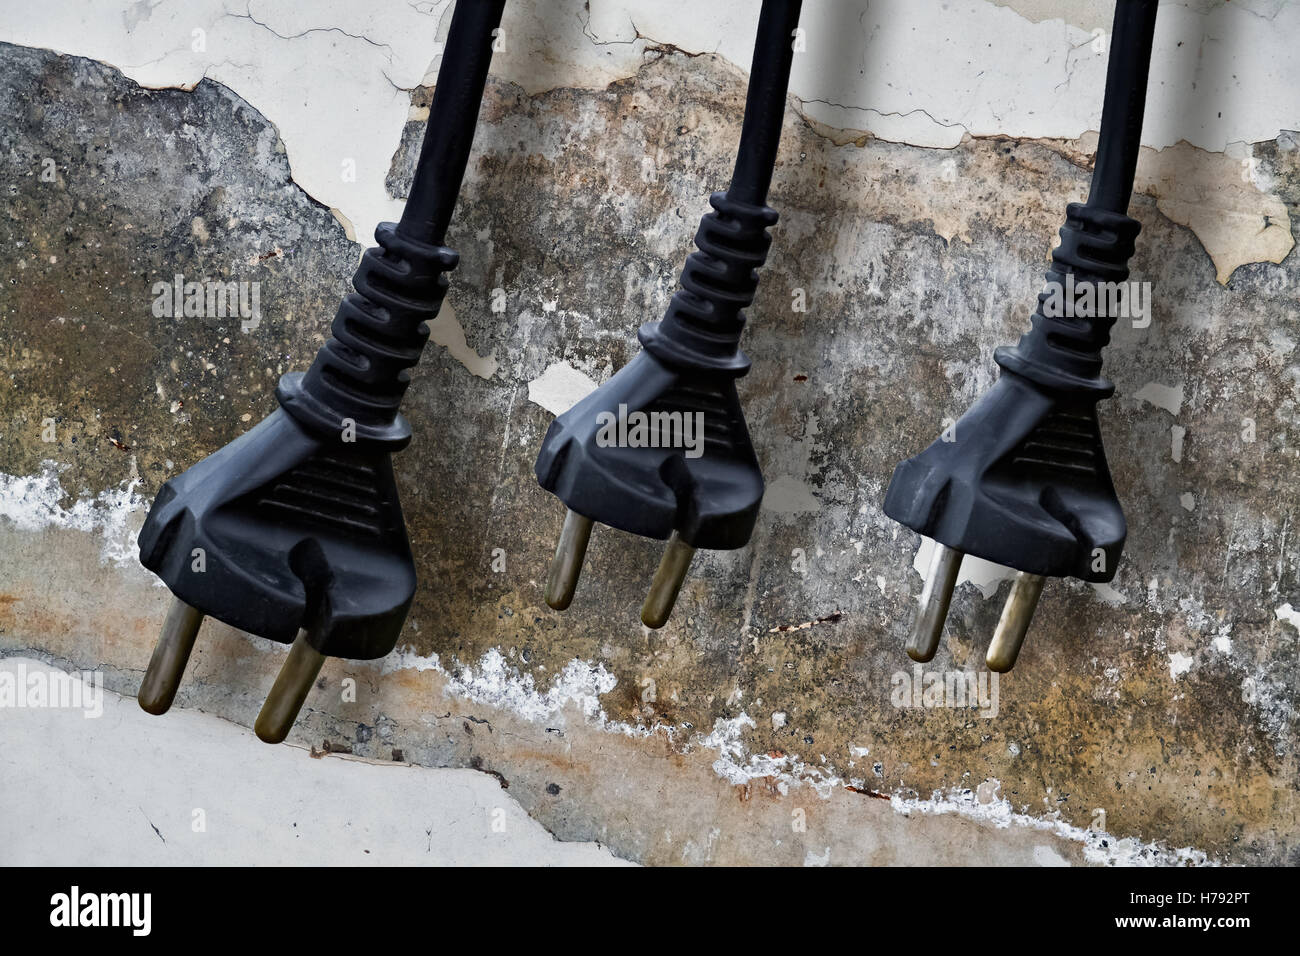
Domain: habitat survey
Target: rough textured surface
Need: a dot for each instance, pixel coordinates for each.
(1165, 702)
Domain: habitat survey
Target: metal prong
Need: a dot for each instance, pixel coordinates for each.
(935, 598)
(667, 582)
(1014, 623)
(292, 685)
(170, 655)
(567, 563)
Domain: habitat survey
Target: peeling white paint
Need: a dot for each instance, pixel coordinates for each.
(739, 767)
(1288, 615)
(992, 71)
(1168, 397)
(1108, 595)
(1179, 664)
(446, 330)
(495, 683)
(334, 76)
(1225, 198)
(35, 502)
(985, 575)
(1099, 848)
(559, 388)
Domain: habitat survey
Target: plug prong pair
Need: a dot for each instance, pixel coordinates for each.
(167, 666)
(566, 567)
(941, 580)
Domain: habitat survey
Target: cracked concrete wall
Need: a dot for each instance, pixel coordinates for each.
(1152, 720)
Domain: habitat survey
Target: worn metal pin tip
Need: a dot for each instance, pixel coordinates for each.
(1014, 623)
(292, 685)
(170, 655)
(566, 566)
(935, 598)
(667, 582)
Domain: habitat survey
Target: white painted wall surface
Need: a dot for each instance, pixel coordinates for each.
(333, 75)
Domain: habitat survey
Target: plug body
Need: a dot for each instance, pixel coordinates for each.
(1021, 479)
(285, 530)
(294, 531)
(662, 449)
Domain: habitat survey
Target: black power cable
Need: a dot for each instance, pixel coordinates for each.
(1124, 105)
(1022, 478)
(294, 530)
(662, 449)
(769, 78)
(462, 74)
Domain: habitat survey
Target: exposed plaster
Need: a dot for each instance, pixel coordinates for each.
(1168, 397)
(446, 330)
(559, 388)
(1224, 198)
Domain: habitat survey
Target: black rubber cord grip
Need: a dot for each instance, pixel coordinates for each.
(361, 373)
(1062, 350)
(702, 327)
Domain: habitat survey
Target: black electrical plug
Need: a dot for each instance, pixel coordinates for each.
(294, 531)
(1021, 479)
(661, 449)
